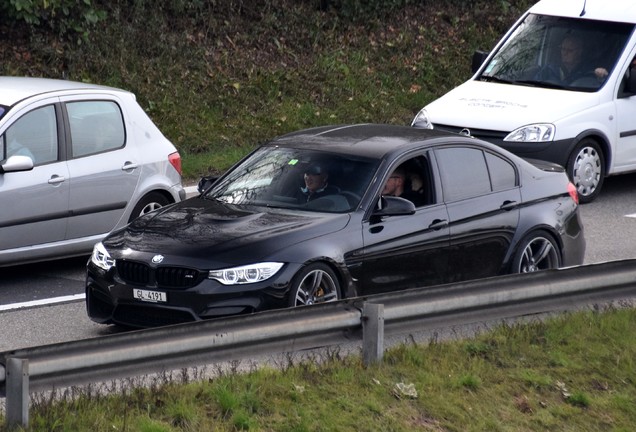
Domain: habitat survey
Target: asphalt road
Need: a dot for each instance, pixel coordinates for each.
(43, 303)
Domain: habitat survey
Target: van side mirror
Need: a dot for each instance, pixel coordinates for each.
(479, 57)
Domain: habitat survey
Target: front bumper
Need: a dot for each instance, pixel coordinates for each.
(110, 299)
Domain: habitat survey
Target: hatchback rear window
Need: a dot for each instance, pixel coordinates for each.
(96, 126)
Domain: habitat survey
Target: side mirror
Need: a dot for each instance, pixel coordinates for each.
(394, 206)
(205, 183)
(479, 57)
(16, 164)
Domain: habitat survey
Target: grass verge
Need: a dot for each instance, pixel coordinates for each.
(568, 373)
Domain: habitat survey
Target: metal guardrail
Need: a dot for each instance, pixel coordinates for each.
(365, 319)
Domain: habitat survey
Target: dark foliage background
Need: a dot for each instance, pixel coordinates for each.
(220, 76)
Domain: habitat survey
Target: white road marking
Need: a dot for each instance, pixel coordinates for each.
(43, 302)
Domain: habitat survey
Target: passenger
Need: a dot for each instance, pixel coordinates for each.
(316, 184)
(396, 185)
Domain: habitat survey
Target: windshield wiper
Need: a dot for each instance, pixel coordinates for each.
(539, 83)
(492, 78)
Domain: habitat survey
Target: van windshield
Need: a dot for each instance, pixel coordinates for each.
(557, 52)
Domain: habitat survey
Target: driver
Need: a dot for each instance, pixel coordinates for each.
(571, 59)
(316, 184)
(571, 65)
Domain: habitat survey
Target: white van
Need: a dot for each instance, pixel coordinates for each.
(557, 87)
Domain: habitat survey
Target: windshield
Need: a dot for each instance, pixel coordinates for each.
(557, 52)
(298, 179)
(3, 110)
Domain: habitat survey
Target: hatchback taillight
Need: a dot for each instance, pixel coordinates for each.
(175, 161)
(573, 193)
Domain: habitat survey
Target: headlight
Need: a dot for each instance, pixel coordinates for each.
(542, 132)
(101, 258)
(246, 274)
(422, 120)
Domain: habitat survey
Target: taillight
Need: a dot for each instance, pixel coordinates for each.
(573, 193)
(175, 161)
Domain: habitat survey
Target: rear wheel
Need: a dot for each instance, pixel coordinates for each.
(149, 202)
(586, 168)
(537, 251)
(316, 283)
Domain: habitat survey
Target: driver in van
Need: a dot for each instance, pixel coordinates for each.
(571, 59)
(572, 65)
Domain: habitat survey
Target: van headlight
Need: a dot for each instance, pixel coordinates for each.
(540, 132)
(101, 258)
(422, 120)
(245, 274)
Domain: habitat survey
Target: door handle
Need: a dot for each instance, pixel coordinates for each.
(129, 166)
(438, 224)
(508, 205)
(56, 179)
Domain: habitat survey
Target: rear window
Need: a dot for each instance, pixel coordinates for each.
(96, 126)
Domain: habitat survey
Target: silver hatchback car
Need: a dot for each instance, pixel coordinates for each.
(76, 161)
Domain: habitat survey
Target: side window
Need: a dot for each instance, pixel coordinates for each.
(411, 180)
(34, 135)
(463, 172)
(502, 173)
(96, 126)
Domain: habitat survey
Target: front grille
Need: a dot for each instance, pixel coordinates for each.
(177, 277)
(132, 272)
(485, 134)
(138, 273)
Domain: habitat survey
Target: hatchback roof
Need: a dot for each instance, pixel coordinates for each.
(15, 89)
(371, 140)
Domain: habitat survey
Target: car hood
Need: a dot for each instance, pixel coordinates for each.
(206, 230)
(505, 107)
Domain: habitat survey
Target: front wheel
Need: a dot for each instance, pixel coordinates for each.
(316, 283)
(537, 251)
(586, 168)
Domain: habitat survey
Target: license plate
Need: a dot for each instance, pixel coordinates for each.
(150, 296)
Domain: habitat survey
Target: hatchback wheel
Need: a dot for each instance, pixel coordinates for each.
(316, 283)
(148, 203)
(536, 252)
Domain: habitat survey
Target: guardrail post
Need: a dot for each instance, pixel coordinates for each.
(372, 333)
(17, 387)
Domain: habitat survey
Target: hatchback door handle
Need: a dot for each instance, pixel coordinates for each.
(129, 166)
(509, 205)
(438, 224)
(55, 179)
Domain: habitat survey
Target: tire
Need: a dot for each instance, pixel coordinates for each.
(149, 202)
(316, 283)
(537, 251)
(586, 169)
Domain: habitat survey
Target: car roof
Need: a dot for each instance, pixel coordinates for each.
(370, 140)
(604, 10)
(15, 89)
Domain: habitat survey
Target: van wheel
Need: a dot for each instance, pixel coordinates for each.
(586, 168)
(149, 202)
